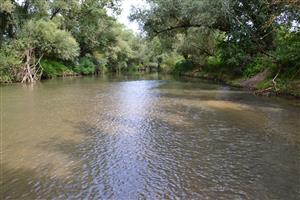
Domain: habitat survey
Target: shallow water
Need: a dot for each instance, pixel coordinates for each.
(147, 138)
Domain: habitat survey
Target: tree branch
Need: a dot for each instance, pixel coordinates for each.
(181, 26)
(55, 13)
(202, 50)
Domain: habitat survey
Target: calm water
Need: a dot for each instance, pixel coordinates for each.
(147, 138)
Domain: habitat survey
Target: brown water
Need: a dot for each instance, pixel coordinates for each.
(129, 138)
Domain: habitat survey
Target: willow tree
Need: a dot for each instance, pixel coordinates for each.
(249, 26)
(192, 27)
(42, 38)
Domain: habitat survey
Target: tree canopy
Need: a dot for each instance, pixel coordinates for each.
(237, 36)
(36, 34)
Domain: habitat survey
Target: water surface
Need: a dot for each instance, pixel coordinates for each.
(147, 138)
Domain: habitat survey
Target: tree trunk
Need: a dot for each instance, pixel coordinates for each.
(29, 71)
(27, 76)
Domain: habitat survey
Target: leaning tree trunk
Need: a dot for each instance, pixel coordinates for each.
(28, 74)
(30, 70)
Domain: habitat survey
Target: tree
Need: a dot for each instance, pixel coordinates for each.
(42, 38)
(249, 26)
(58, 30)
(171, 16)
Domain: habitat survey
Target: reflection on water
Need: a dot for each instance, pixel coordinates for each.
(126, 138)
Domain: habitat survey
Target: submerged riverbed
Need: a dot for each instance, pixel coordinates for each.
(147, 138)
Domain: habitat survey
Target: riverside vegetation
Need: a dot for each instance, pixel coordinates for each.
(252, 43)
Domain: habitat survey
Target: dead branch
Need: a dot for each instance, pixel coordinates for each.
(274, 82)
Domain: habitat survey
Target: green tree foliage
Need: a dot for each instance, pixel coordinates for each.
(241, 37)
(37, 39)
(172, 16)
(57, 31)
(40, 38)
(85, 67)
(288, 47)
(46, 38)
(52, 68)
(9, 64)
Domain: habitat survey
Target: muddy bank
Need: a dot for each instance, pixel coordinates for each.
(260, 84)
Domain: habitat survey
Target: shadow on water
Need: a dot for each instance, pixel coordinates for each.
(45, 182)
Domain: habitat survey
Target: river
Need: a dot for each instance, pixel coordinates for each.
(147, 137)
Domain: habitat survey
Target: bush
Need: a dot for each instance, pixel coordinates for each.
(170, 61)
(85, 67)
(288, 47)
(288, 53)
(213, 61)
(183, 66)
(259, 64)
(10, 64)
(5, 78)
(133, 69)
(53, 68)
(233, 58)
(214, 64)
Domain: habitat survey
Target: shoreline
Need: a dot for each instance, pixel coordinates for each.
(238, 83)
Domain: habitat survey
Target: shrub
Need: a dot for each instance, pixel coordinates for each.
(288, 53)
(183, 66)
(259, 64)
(213, 61)
(133, 69)
(85, 67)
(10, 63)
(52, 68)
(213, 64)
(170, 61)
(288, 47)
(5, 78)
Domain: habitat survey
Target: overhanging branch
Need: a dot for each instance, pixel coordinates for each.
(185, 26)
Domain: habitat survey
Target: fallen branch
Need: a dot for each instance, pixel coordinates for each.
(265, 92)
(274, 82)
(40, 67)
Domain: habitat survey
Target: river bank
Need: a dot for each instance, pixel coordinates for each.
(260, 84)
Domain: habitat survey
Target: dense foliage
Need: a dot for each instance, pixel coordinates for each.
(225, 38)
(44, 39)
(233, 37)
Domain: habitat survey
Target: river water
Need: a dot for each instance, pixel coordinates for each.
(147, 137)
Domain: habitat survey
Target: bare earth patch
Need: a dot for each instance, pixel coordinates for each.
(252, 82)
